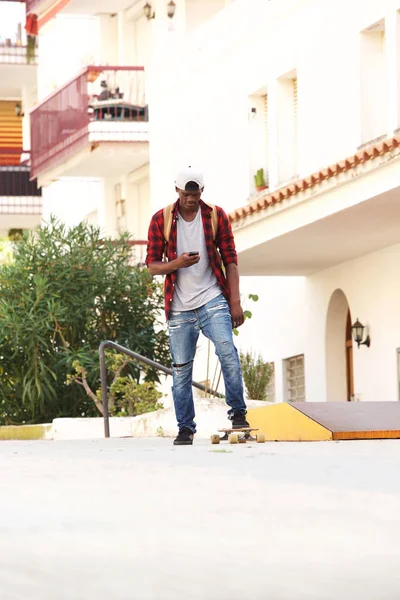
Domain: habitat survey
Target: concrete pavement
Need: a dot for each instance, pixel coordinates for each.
(137, 519)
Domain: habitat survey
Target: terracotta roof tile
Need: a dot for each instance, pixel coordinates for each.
(292, 189)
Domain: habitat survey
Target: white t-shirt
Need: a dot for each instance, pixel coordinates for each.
(195, 285)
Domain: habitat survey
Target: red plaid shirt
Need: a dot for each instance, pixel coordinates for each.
(224, 242)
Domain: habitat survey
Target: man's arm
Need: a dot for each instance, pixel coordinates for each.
(226, 245)
(164, 268)
(232, 275)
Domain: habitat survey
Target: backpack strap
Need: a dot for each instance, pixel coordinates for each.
(214, 219)
(167, 213)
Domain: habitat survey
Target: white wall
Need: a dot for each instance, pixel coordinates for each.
(198, 11)
(290, 319)
(71, 199)
(373, 84)
(67, 44)
(138, 209)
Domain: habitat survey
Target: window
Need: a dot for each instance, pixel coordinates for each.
(287, 127)
(258, 140)
(295, 379)
(266, 133)
(295, 123)
(373, 88)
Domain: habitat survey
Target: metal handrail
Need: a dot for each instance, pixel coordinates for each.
(140, 358)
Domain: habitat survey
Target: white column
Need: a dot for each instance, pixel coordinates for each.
(26, 131)
(121, 37)
(286, 131)
(279, 380)
(392, 37)
(273, 158)
(108, 40)
(107, 211)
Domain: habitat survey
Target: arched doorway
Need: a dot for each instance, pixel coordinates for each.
(339, 349)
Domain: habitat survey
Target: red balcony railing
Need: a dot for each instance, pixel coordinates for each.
(19, 195)
(100, 104)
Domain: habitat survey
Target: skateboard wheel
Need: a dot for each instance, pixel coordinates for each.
(260, 437)
(215, 438)
(233, 438)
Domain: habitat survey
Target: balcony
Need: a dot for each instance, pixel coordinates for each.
(349, 209)
(47, 9)
(18, 58)
(20, 200)
(94, 126)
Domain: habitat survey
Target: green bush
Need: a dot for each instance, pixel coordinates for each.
(256, 375)
(64, 292)
(126, 396)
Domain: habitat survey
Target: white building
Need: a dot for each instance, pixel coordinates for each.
(91, 126)
(308, 90)
(20, 198)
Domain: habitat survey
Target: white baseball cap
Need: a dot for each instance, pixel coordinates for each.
(189, 175)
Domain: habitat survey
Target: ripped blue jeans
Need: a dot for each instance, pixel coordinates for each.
(214, 321)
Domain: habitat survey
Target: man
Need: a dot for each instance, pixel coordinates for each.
(198, 295)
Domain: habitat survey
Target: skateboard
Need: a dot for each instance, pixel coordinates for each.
(238, 436)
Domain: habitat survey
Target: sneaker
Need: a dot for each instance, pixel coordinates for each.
(239, 421)
(184, 437)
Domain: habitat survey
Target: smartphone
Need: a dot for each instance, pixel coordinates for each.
(193, 253)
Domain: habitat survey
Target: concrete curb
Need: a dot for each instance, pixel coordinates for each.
(210, 415)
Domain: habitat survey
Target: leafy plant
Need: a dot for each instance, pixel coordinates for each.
(15, 234)
(30, 48)
(5, 251)
(256, 375)
(64, 292)
(259, 179)
(134, 398)
(247, 313)
(126, 396)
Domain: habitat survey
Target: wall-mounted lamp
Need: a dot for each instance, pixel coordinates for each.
(358, 334)
(150, 13)
(18, 110)
(171, 8)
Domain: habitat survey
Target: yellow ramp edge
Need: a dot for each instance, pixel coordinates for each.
(386, 434)
(284, 423)
(26, 432)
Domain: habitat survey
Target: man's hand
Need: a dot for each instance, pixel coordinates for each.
(184, 260)
(164, 268)
(237, 314)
